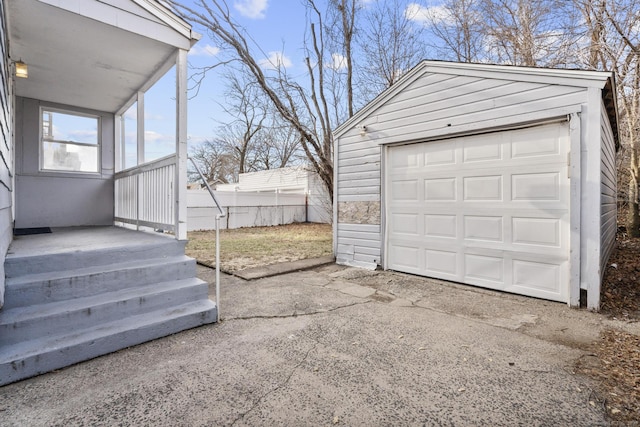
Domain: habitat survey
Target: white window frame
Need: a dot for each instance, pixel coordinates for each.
(41, 141)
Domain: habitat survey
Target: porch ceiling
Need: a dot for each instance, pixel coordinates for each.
(80, 61)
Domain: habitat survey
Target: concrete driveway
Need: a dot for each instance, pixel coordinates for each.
(336, 346)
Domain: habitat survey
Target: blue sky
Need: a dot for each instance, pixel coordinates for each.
(277, 25)
(278, 28)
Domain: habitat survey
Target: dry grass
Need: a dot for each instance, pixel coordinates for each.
(615, 361)
(257, 246)
(616, 369)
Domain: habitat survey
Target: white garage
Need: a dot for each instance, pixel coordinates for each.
(493, 176)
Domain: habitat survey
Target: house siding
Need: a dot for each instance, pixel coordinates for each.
(608, 191)
(6, 148)
(57, 199)
(436, 104)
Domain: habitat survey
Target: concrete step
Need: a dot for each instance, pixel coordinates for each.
(45, 320)
(161, 247)
(43, 288)
(33, 357)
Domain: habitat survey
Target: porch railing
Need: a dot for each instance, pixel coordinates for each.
(145, 195)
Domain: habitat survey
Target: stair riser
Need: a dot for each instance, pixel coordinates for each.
(55, 323)
(40, 292)
(18, 266)
(66, 355)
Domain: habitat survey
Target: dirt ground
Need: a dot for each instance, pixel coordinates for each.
(615, 362)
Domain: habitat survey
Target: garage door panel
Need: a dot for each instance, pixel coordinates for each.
(484, 268)
(405, 223)
(536, 275)
(439, 154)
(536, 186)
(441, 189)
(441, 262)
(406, 257)
(537, 142)
(481, 151)
(440, 225)
(482, 188)
(405, 189)
(405, 157)
(537, 231)
(487, 228)
(542, 280)
(496, 217)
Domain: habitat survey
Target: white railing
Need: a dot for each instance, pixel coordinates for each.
(145, 195)
(219, 215)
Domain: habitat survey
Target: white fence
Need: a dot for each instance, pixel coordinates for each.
(245, 209)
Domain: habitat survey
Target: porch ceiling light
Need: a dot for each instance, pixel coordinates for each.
(21, 69)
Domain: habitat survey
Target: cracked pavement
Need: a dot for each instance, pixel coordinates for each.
(336, 346)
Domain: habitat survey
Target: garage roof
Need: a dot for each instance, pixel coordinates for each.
(577, 78)
(90, 53)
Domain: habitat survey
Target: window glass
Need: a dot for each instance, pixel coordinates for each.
(70, 142)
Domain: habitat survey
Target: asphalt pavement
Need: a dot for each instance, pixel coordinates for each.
(337, 346)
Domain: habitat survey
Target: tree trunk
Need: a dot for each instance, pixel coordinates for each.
(633, 218)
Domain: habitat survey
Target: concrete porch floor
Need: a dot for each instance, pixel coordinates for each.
(80, 239)
(337, 346)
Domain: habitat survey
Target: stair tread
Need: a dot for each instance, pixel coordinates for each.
(54, 343)
(17, 314)
(94, 269)
(71, 241)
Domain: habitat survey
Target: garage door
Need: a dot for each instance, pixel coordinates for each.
(490, 210)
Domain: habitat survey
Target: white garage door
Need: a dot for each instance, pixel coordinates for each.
(490, 210)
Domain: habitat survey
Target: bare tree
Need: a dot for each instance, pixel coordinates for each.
(340, 29)
(530, 32)
(214, 161)
(613, 43)
(278, 145)
(457, 30)
(245, 102)
(391, 44)
(307, 111)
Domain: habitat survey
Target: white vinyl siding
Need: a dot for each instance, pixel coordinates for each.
(440, 104)
(608, 192)
(6, 149)
(359, 243)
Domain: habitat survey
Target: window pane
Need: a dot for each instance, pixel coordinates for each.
(67, 127)
(69, 157)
